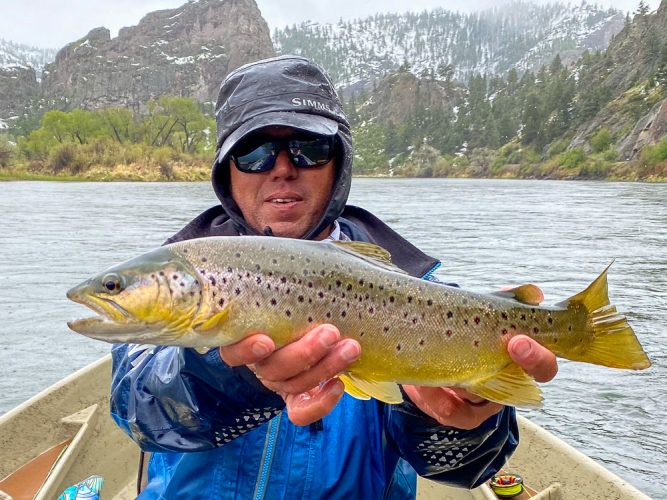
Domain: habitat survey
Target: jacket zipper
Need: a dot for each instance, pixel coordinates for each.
(431, 271)
(267, 458)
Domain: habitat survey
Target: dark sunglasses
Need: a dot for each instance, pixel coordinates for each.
(258, 153)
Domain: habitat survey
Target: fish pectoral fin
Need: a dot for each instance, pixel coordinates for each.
(205, 325)
(203, 350)
(360, 388)
(511, 386)
(526, 294)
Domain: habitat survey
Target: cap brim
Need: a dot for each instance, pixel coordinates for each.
(315, 124)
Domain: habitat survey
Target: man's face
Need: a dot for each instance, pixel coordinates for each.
(287, 199)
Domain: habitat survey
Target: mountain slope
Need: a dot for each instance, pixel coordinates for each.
(518, 35)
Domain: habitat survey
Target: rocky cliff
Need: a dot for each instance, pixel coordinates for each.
(185, 51)
(18, 88)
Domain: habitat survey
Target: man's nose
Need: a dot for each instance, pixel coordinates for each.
(284, 168)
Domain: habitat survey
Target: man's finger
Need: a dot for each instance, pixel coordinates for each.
(306, 408)
(538, 361)
(293, 359)
(247, 351)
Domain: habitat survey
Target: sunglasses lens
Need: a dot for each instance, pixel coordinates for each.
(255, 157)
(311, 152)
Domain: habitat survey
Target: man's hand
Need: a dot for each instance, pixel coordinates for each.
(459, 408)
(303, 372)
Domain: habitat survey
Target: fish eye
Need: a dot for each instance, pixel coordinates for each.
(111, 284)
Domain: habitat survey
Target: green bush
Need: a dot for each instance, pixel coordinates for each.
(7, 151)
(573, 158)
(601, 141)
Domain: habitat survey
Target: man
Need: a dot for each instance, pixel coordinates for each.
(270, 423)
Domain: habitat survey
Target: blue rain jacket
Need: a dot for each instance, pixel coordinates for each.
(216, 432)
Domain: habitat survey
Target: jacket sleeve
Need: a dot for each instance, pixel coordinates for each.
(175, 399)
(463, 458)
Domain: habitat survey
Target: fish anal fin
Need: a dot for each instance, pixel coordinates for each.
(208, 325)
(526, 294)
(360, 388)
(511, 386)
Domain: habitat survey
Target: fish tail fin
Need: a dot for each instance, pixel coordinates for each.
(614, 343)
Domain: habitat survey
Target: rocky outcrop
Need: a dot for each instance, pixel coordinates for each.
(18, 89)
(185, 51)
(649, 130)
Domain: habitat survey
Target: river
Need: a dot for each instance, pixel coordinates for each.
(488, 233)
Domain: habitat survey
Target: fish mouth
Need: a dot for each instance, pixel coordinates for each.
(112, 318)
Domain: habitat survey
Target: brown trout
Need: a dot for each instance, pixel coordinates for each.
(211, 292)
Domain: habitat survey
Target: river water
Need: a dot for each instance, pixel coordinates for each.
(488, 233)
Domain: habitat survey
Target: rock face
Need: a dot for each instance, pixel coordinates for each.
(18, 88)
(649, 130)
(185, 51)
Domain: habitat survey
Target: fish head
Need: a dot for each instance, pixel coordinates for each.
(149, 299)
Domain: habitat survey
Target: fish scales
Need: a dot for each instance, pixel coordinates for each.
(410, 330)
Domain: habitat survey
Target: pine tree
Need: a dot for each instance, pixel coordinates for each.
(642, 9)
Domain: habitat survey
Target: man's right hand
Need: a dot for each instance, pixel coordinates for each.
(303, 373)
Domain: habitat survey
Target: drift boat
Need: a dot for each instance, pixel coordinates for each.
(65, 434)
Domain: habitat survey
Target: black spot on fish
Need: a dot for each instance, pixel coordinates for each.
(361, 334)
(182, 284)
(476, 343)
(204, 259)
(237, 255)
(381, 287)
(392, 299)
(550, 320)
(323, 272)
(310, 301)
(367, 296)
(270, 274)
(398, 347)
(523, 317)
(450, 315)
(386, 329)
(504, 331)
(247, 275)
(333, 300)
(212, 280)
(465, 302)
(370, 285)
(274, 261)
(288, 313)
(342, 295)
(310, 319)
(291, 257)
(569, 328)
(257, 304)
(532, 309)
(405, 315)
(414, 321)
(153, 276)
(307, 260)
(258, 267)
(343, 314)
(310, 284)
(477, 320)
(192, 294)
(504, 315)
(409, 299)
(229, 269)
(384, 303)
(300, 298)
(465, 321)
(283, 279)
(185, 250)
(422, 342)
(259, 280)
(328, 315)
(555, 340)
(203, 271)
(214, 294)
(221, 302)
(320, 295)
(449, 333)
(287, 291)
(238, 291)
(429, 302)
(361, 282)
(339, 283)
(359, 315)
(268, 286)
(536, 330)
(513, 327)
(349, 287)
(161, 273)
(274, 302)
(371, 310)
(175, 277)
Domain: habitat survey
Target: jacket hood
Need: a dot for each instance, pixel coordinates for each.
(288, 91)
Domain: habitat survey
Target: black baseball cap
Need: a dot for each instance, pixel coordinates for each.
(286, 91)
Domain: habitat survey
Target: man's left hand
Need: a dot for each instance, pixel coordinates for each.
(459, 408)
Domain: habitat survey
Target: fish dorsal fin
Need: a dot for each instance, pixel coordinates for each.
(387, 392)
(526, 294)
(369, 252)
(511, 386)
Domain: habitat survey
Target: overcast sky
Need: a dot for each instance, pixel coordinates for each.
(48, 23)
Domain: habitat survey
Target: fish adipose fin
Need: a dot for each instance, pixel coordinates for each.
(387, 392)
(614, 343)
(369, 252)
(511, 386)
(526, 294)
